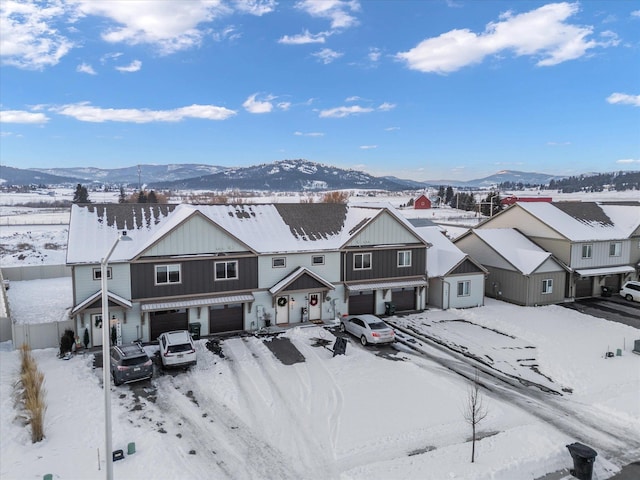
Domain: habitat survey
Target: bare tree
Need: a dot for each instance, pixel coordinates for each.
(474, 411)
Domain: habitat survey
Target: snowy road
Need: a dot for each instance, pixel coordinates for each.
(610, 435)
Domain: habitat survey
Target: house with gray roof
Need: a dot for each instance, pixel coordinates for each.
(598, 241)
(519, 271)
(456, 279)
(240, 267)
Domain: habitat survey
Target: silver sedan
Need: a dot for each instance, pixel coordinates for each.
(368, 328)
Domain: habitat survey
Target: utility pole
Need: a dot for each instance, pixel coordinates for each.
(139, 182)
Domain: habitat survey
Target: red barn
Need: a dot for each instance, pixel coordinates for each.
(422, 203)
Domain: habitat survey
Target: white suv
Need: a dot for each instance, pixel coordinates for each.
(177, 349)
(631, 291)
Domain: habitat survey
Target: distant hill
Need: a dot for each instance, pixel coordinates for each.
(285, 176)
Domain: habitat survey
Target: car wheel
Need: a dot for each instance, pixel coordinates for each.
(115, 379)
(343, 328)
(363, 340)
(629, 298)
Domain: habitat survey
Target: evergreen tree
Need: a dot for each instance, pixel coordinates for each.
(448, 195)
(491, 204)
(122, 198)
(142, 197)
(151, 198)
(81, 195)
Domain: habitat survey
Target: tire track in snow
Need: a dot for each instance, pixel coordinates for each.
(237, 451)
(309, 449)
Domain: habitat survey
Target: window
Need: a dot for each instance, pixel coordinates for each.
(362, 261)
(615, 249)
(464, 288)
(404, 258)
(167, 274)
(278, 262)
(226, 270)
(97, 273)
(547, 286)
(587, 250)
(317, 260)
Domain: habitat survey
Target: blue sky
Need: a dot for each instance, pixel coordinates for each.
(439, 89)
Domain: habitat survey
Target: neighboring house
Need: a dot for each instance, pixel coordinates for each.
(510, 200)
(599, 241)
(422, 202)
(240, 267)
(520, 272)
(456, 280)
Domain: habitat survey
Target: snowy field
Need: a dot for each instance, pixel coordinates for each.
(374, 413)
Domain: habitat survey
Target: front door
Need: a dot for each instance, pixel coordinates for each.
(96, 329)
(315, 307)
(282, 309)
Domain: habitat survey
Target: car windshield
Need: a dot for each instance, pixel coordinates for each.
(184, 347)
(378, 326)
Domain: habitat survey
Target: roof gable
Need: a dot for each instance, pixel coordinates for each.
(383, 228)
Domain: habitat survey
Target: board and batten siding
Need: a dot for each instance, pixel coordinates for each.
(600, 254)
(476, 291)
(269, 276)
(196, 278)
(516, 288)
(384, 230)
(85, 285)
(561, 248)
(384, 264)
(516, 217)
(195, 236)
(482, 253)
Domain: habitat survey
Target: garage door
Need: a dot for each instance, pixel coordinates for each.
(361, 302)
(167, 320)
(404, 298)
(584, 287)
(226, 318)
(613, 282)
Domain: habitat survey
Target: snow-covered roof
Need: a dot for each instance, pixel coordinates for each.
(514, 247)
(588, 221)
(443, 255)
(263, 228)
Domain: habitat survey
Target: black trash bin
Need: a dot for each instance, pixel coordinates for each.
(194, 330)
(389, 308)
(583, 459)
(606, 291)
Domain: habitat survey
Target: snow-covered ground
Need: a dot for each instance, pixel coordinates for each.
(373, 413)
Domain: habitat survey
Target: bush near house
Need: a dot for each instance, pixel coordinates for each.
(31, 394)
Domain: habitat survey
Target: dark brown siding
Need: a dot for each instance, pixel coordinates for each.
(384, 264)
(196, 278)
(305, 282)
(466, 267)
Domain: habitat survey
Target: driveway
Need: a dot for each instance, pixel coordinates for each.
(614, 308)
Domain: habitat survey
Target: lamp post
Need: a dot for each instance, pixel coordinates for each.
(106, 358)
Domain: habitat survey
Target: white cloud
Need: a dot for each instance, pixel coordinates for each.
(635, 13)
(341, 112)
(368, 147)
(338, 11)
(326, 55)
(284, 105)
(624, 99)
(29, 40)
(21, 116)
(626, 161)
(88, 113)
(303, 38)
(255, 7)
(374, 54)
(132, 67)
(252, 105)
(309, 134)
(386, 106)
(85, 68)
(558, 144)
(171, 26)
(227, 33)
(542, 33)
(391, 129)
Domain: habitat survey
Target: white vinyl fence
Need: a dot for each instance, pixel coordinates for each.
(40, 335)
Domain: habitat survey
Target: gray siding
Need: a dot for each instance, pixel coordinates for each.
(197, 277)
(384, 264)
(516, 288)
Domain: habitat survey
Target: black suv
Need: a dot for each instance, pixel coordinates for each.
(130, 363)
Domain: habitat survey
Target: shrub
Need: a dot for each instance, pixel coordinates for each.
(66, 342)
(33, 402)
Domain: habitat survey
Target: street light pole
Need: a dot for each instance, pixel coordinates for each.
(106, 358)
